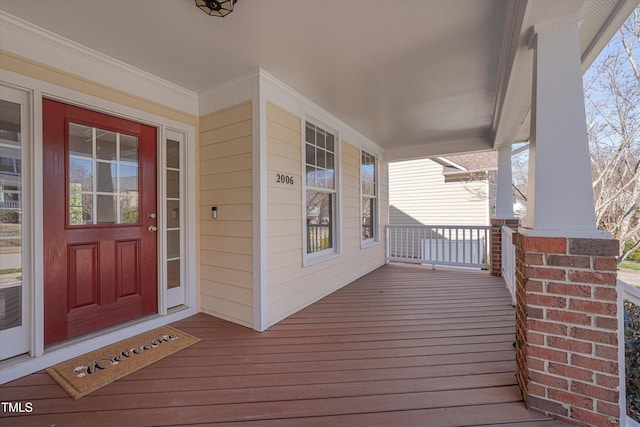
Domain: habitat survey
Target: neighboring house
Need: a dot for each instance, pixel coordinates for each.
(451, 190)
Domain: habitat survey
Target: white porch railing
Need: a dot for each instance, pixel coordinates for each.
(11, 204)
(630, 294)
(465, 246)
(509, 260)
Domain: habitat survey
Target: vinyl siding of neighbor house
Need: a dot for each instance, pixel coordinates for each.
(292, 286)
(419, 195)
(226, 243)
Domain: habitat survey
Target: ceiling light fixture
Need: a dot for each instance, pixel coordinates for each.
(219, 8)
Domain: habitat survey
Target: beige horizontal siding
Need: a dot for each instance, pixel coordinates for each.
(292, 286)
(418, 194)
(226, 243)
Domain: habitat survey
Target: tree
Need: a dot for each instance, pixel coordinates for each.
(612, 101)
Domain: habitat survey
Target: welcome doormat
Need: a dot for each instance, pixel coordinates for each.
(89, 372)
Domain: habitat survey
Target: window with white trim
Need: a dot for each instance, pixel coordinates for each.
(368, 190)
(320, 189)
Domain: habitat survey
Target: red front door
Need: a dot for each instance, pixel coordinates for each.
(99, 220)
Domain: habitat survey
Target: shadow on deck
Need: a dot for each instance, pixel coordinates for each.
(402, 346)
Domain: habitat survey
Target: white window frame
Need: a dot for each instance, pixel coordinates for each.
(20, 338)
(376, 197)
(310, 258)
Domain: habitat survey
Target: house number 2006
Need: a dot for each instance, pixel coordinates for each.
(284, 179)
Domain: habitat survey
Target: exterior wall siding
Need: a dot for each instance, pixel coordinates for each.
(419, 196)
(292, 286)
(226, 243)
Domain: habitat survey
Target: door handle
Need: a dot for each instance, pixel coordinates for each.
(153, 228)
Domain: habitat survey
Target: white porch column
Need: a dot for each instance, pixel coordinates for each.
(504, 192)
(560, 195)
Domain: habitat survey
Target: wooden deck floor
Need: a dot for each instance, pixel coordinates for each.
(402, 346)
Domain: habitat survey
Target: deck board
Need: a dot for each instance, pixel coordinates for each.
(403, 345)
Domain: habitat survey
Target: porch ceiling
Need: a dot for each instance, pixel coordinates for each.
(417, 77)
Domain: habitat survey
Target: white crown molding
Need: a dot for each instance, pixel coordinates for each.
(42, 46)
(240, 89)
(226, 94)
(296, 103)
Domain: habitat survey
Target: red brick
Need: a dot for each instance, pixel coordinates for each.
(592, 277)
(555, 245)
(546, 273)
(533, 259)
(536, 339)
(546, 327)
(607, 323)
(607, 381)
(569, 317)
(535, 312)
(569, 289)
(571, 398)
(570, 372)
(536, 364)
(606, 293)
(607, 408)
(605, 264)
(547, 406)
(545, 353)
(569, 261)
(546, 300)
(534, 286)
(606, 352)
(548, 380)
(537, 390)
(593, 419)
(596, 392)
(570, 345)
(602, 337)
(595, 307)
(605, 366)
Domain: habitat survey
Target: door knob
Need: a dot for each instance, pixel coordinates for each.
(153, 228)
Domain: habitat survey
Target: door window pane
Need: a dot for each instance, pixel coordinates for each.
(128, 148)
(81, 173)
(173, 214)
(106, 145)
(106, 176)
(173, 154)
(106, 209)
(103, 173)
(80, 140)
(173, 184)
(129, 208)
(173, 274)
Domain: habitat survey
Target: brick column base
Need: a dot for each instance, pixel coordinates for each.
(566, 328)
(496, 242)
